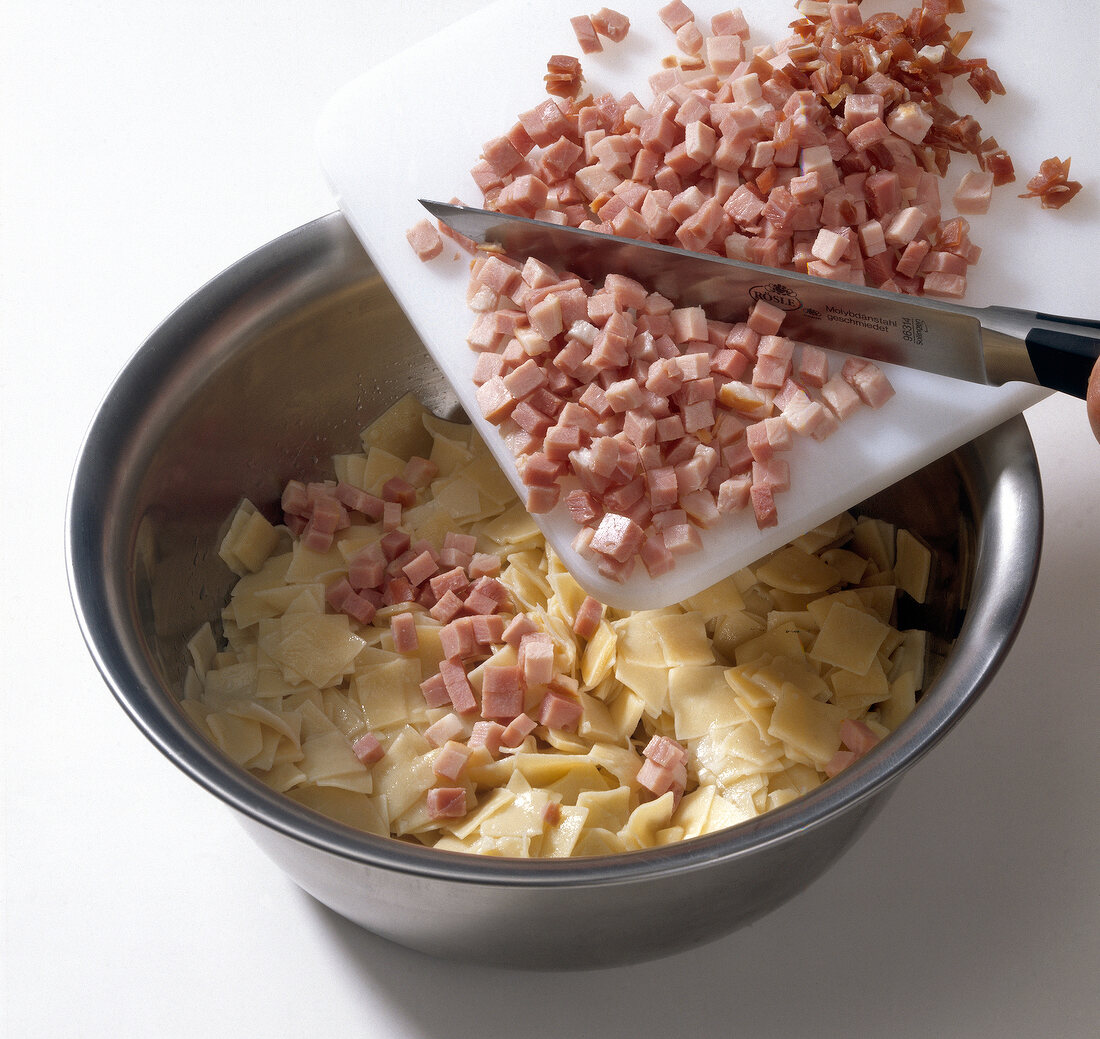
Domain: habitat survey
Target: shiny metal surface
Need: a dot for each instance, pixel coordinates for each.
(985, 345)
(278, 363)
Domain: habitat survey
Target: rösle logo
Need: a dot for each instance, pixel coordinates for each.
(777, 294)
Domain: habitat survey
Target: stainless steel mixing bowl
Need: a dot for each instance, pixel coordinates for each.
(278, 363)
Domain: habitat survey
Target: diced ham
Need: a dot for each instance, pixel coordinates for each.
(425, 240)
(368, 749)
(451, 761)
(519, 626)
(974, 193)
(392, 512)
(536, 658)
(868, 380)
(447, 728)
(840, 396)
(559, 711)
(501, 692)
(446, 802)
(487, 734)
(403, 629)
(1052, 184)
(910, 121)
(589, 614)
(453, 580)
(343, 598)
(517, 730)
(812, 155)
(611, 24)
(765, 318)
(585, 31)
(664, 751)
(618, 537)
(419, 569)
(763, 504)
(488, 628)
(857, 737)
(458, 687)
(675, 15)
(435, 691)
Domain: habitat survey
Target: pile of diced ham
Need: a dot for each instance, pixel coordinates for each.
(823, 154)
(649, 421)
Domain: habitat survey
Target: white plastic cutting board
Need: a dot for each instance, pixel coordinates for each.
(412, 128)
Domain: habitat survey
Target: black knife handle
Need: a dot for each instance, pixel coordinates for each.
(1063, 358)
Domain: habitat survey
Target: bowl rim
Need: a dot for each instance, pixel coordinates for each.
(1006, 566)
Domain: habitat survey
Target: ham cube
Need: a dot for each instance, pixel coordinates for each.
(519, 626)
(682, 539)
(453, 580)
(611, 24)
(733, 494)
(947, 286)
(501, 692)
(974, 193)
(905, 226)
(838, 763)
(657, 779)
(813, 366)
(425, 240)
(488, 628)
(618, 537)
(585, 31)
(435, 691)
(829, 246)
(765, 318)
(367, 569)
(458, 687)
(451, 761)
(589, 614)
(910, 121)
(868, 380)
(655, 555)
(484, 564)
(420, 569)
(841, 398)
(403, 630)
(486, 734)
(700, 507)
(449, 727)
(446, 802)
(559, 711)
(675, 15)
(724, 53)
(775, 473)
(447, 607)
(494, 400)
(536, 658)
(763, 504)
(368, 749)
(517, 730)
(353, 498)
(857, 737)
(664, 751)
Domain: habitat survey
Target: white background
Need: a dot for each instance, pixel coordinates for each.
(147, 146)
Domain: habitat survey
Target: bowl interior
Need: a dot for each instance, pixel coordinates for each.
(278, 364)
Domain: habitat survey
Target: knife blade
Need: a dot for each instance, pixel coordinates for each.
(991, 345)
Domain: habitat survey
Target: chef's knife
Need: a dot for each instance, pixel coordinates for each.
(992, 345)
